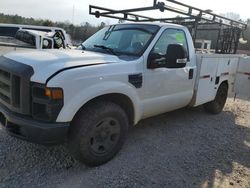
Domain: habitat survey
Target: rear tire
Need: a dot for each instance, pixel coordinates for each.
(216, 106)
(98, 133)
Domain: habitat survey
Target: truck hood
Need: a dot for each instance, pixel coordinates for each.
(46, 62)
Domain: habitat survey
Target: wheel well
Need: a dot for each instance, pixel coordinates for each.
(120, 99)
(224, 82)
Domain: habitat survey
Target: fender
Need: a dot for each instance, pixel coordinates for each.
(75, 102)
(222, 79)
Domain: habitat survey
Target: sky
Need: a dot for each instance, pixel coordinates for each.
(76, 11)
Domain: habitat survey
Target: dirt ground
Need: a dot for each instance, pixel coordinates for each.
(184, 148)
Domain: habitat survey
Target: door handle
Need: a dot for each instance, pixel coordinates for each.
(191, 74)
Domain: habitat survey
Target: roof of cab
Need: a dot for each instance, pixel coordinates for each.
(28, 26)
(152, 23)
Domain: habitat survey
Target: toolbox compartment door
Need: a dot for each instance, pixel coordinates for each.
(212, 71)
(242, 81)
(205, 87)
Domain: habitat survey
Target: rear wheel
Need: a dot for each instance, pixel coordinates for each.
(98, 133)
(217, 105)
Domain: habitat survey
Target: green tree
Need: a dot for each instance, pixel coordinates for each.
(47, 23)
(78, 33)
(102, 25)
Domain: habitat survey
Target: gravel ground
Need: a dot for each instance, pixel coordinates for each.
(184, 148)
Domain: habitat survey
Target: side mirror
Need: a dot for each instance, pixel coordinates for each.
(176, 56)
(154, 60)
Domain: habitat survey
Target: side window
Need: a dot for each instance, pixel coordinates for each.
(26, 37)
(169, 36)
(8, 31)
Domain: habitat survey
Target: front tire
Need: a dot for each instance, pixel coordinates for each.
(98, 133)
(216, 106)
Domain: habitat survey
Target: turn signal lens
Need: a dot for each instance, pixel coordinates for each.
(54, 93)
(48, 92)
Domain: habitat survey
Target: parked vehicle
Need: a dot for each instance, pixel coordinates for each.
(10, 30)
(33, 37)
(124, 73)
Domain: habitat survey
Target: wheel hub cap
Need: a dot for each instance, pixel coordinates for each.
(105, 136)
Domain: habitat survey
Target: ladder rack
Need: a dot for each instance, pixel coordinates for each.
(197, 20)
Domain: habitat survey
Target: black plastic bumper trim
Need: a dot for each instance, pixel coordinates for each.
(28, 129)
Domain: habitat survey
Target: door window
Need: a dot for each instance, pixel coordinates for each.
(169, 36)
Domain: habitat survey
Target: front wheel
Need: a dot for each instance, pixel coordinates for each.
(217, 105)
(98, 133)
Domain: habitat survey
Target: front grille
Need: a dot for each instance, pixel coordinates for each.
(5, 86)
(15, 85)
(10, 88)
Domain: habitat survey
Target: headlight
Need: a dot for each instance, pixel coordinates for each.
(46, 102)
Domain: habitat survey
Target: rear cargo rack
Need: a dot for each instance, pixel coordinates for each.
(197, 20)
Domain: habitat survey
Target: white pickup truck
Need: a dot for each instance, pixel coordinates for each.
(124, 73)
(20, 37)
(32, 39)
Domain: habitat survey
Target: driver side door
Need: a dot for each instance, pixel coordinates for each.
(167, 89)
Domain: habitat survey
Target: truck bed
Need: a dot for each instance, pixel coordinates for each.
(213, 69)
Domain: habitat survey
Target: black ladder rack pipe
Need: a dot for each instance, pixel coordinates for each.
(192, 17)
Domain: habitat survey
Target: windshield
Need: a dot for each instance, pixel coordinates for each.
(125, 39)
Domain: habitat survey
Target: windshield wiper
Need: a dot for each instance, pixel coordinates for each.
(111, 50)
(83, 47)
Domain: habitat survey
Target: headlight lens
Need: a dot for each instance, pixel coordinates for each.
(46, 102)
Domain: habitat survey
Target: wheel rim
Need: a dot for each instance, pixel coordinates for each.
(105, 135)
